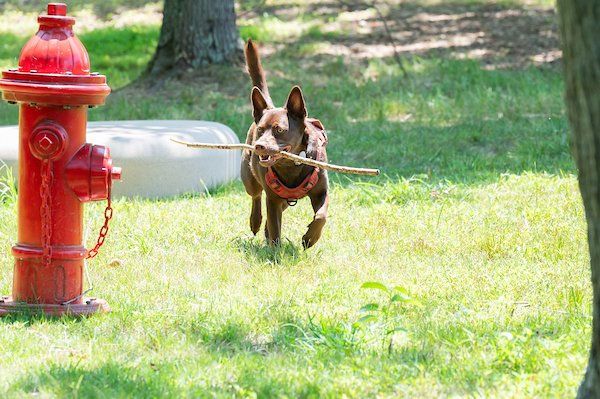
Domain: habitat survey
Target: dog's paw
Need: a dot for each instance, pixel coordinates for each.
(315, 228)
(255, 221)
(308, 241)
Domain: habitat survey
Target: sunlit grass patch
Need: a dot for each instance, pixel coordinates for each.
(501, 270)
(269, 29)
(26, 22)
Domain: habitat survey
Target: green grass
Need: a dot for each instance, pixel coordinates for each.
(477, 215)
(462, 122)
(133, 48)
(500, 268)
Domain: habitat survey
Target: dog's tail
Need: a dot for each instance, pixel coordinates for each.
(255, 70)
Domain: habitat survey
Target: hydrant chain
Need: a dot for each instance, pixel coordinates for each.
(45, 193)
(108, 213)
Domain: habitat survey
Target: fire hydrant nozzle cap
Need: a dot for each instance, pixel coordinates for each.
(116, 173)
(90, 173)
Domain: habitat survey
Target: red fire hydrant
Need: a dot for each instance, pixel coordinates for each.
(58, 170)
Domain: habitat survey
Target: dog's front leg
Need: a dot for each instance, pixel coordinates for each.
(253, 188)
(319, 203)
(274, 216)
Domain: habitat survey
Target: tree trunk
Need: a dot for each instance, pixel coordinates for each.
(195, 33)
(580, 31)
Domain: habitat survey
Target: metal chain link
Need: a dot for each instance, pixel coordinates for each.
(46, 195)
(108, 214)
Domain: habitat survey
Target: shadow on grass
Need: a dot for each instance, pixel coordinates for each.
(258, 251)
(111, 380)
(477, 29)
(208, 372)
(28, 318)
(191, 377)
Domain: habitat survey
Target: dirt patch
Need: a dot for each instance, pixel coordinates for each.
(501, 36)
(498, 35)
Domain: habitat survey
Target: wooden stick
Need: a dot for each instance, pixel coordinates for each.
(293, 157)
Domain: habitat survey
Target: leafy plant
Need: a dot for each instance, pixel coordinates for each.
(384, 314)
(8, 185)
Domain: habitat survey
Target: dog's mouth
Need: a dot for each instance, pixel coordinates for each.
(270, 159)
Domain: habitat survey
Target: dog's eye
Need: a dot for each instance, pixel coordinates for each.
(279, 130)
(259, 129)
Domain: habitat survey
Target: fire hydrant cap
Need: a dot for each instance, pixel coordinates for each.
(55, 48)
(54, 66)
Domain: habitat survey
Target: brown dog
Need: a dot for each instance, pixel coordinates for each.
(284, 182)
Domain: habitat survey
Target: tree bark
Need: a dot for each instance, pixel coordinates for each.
(195, 33)
(580, 32)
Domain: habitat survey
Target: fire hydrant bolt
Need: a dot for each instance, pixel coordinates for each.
(57, 9)
(45, 142)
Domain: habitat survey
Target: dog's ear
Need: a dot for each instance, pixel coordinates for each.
(295, 104)
(259, 104)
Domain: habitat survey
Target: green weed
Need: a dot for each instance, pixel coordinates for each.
(385, 315)
(8, 185)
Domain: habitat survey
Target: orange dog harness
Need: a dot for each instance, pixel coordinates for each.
(293, 194)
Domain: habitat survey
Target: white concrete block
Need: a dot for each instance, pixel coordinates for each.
(153, 166)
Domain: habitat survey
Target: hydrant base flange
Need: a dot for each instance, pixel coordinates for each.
(89, 306)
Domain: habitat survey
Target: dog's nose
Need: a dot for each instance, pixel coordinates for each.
(260, 147)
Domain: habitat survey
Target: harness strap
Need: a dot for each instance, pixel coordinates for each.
(309, 182)
(291, 193)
